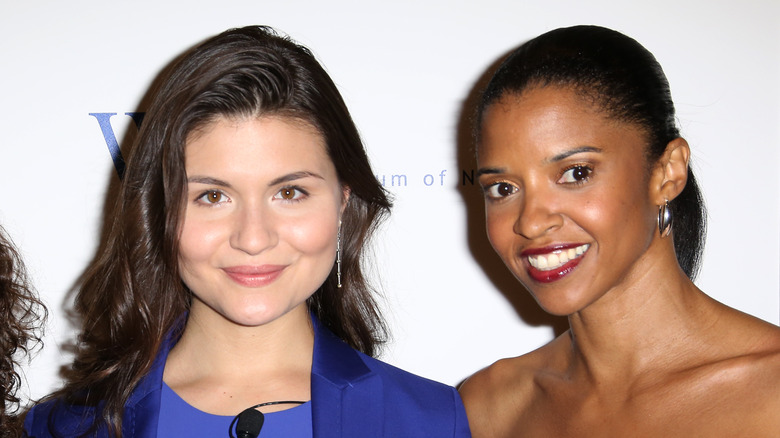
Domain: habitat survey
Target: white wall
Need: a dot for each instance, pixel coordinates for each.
(405, 69)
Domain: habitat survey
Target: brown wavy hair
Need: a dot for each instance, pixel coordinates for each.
(132, 295)
(21, 319)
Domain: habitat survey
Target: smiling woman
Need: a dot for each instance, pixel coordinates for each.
(253, 185)
(232, 276)
(591, 204)
(579, 174)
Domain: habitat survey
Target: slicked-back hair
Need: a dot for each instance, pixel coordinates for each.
(624, 81)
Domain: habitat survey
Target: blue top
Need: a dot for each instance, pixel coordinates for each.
(179, 418)
(352, 396)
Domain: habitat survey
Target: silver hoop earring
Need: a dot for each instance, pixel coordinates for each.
(338, 257)
(665, 219)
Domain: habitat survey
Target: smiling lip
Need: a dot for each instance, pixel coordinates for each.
(552, 263)
(254, 276)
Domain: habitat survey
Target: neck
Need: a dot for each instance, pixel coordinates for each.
(651, 322)
(221, 367)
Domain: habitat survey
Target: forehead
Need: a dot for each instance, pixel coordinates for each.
(267, 144)
(220, 122)
(546, 121)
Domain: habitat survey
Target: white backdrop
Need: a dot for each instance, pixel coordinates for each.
(407, 70)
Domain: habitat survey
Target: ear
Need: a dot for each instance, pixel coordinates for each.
(671, 172)
(345, 192)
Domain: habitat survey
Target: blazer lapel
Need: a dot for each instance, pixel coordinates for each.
(142, 411)
(346, 394)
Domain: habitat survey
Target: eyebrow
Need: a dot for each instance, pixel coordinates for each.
(282, 179)
(570, 152)
(556, 158)
(208, 181)
(294, 176)
(489, 171)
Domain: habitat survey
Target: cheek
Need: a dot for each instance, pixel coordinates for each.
(596, 212)
(312, 235)
(199, 240)
(618, 211)
(500, 230)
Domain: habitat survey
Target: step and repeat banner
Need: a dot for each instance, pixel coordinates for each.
(74, 73)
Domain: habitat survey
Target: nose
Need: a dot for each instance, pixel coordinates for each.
(254, 230)
(537, 216)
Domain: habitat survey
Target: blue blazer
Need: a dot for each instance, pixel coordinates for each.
(353, 395)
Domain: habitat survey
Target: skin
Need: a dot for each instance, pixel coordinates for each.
(647, 353)
(258, 238)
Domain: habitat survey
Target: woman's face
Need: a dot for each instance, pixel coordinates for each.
(262, 214)
(567, 196)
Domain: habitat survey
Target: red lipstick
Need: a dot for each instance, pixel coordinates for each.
(553, 274)
(537, 266)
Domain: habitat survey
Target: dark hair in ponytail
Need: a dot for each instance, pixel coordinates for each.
(622, 79)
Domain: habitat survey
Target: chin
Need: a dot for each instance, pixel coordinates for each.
(557, 310)
(251, 317)
(558, 305)
(263, 314)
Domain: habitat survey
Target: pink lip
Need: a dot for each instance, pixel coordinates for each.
(554, 274)
(254, 276)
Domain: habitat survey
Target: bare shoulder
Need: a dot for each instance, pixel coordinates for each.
(754, 344)
(744, 381)
(768, 374)
(761, 364)
(753, 382)
(503, 378)
(496, 397)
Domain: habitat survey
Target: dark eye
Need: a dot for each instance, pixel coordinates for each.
(575, 174)
(500, 190)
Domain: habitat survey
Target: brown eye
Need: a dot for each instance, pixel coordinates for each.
(291, 194)
(287, 193)
(213, 197)
(505, 190)
(500, 190)
(576, 174)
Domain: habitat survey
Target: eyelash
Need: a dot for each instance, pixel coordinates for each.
(577, 167)
(488, 190)
(202, 198)
(299, 194)
(491, 191)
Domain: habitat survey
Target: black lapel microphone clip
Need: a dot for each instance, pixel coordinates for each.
(250, 420)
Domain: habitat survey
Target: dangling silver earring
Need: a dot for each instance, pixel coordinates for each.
(665, 219)
(338, 256)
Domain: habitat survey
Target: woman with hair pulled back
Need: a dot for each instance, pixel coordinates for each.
(591, 203)
(232, 280)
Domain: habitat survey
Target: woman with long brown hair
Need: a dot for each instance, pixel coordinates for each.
(232, 277)
(592, 204)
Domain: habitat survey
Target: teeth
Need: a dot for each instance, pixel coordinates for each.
(556, 259)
